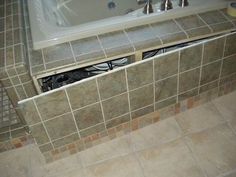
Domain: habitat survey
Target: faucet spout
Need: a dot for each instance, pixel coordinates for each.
(148, 7)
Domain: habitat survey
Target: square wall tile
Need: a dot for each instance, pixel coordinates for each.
(213, 17)
(66, 140)
(166, 65)
(93, 130)
(115, 43)
(165, 88)
(29, 112)
(210, 72)
(165, 103)
(83, 94)
(142, 37)
(222, 27)
(213, 50)
(61, 126)
(118, 121)
(87, 48)
(142, 111)
(112, 84)
(230, 46)
(196, 32)
(57, 52)
(190, 58)
(115, 106)
(39, 133)
(190, 22)
(89, 116)
(52, 104)
(165, 28)
(141, 97)
(140, 74)
(229, 66)
(189, 80)
(188, 94)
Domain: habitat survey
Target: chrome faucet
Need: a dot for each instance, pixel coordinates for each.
(183, 3)
(166, 5)
(148, 7)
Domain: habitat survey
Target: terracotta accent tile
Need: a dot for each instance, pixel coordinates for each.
(177, 108)
(95, 137)
(71, 146)
(54, 152)
(18, 145)
(190, 103)
(134, 124)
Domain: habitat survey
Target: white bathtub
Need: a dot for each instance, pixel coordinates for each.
(57, 21)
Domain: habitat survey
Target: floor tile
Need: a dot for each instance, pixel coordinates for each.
(156, 134)
(199, 118)
(233, 174)
(115, 148)
(15, 163)
(170, 160)
(215, 149)
(227, 105)
(63, 166)
(127, 166)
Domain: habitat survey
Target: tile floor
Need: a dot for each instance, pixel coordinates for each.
(198, 143)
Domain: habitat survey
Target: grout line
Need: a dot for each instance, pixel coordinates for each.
(204, 22)
(128, 93)
(181, 28)
(68, 100)
(101, 105)
(178, 76)
(44, 63)
(159, 37)
(221, 65)
(200, 77)
(194, 156)
(17, 94)
(100, 43)
(131, 43)
(72, 51)
(154, 85)
(227, 18)
(50, 140)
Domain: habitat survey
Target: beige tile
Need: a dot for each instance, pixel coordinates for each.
(111, 149)
(226, 106)
(156, 134)
(63, 166)
(199, 118)
(232, 174)
(121, 167)
(215, 149)
(170, 160)
(233, 124)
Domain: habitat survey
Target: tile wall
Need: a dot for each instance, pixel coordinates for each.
(98, 104)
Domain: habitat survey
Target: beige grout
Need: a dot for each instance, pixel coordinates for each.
(201, 66)
(68, 100)
(41, 119)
